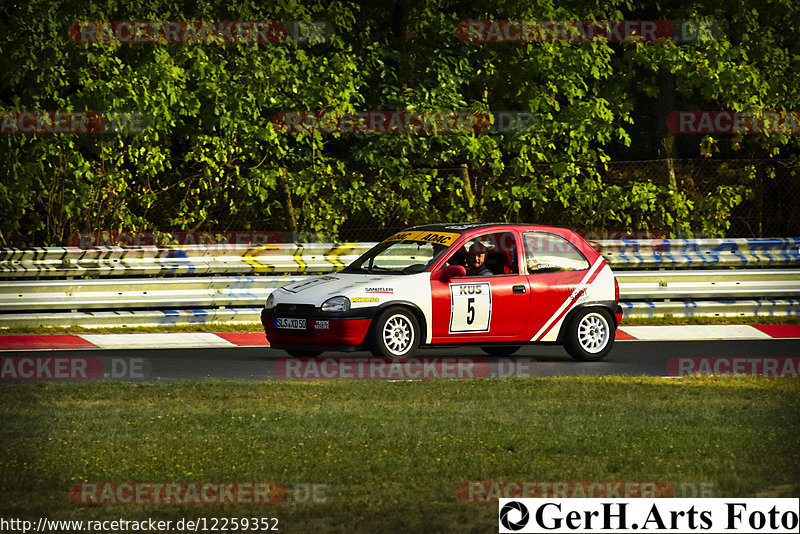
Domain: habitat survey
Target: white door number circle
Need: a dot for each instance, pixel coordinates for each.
(470, 307)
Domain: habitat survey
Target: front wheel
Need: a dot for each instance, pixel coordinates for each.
(589, 336)
(395, 334)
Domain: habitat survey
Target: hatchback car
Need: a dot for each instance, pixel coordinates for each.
(495, 286)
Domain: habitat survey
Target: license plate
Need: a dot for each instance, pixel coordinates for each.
(290, 324)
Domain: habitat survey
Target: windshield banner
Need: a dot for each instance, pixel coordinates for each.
(443, 238)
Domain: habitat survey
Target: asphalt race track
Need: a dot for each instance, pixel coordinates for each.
(633, 358)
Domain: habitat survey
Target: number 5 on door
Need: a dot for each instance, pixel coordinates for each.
(470, 307)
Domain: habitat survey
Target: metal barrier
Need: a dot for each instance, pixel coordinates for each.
(132, 293)
(217, 299)
(61, 262)
(743, 308)
(193, 260)
(125, 318)
(699, 252)
(252, 291)
(690, 285)
(713, 308)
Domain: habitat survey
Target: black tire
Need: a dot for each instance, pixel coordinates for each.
(590, 335)
(395, 334)
(500, 351)
(301, 353)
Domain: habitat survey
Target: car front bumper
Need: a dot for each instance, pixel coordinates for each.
(344, 332)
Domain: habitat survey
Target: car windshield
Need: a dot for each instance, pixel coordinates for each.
(397, 257)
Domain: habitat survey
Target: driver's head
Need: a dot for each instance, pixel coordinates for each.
(476, 256)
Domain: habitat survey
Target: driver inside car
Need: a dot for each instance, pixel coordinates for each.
(476, 260)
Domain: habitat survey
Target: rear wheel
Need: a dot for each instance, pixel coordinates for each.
(395, 334)
(590, 336)
(299, 353)
(501, 350)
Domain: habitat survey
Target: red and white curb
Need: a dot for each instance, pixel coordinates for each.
(707, 332)
(236, 339)
(133, 341)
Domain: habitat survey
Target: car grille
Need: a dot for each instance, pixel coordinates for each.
(294, 310)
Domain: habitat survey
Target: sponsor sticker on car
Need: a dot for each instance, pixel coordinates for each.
(383, 290)
(443, 238)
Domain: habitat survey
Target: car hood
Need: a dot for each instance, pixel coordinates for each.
(361, 289)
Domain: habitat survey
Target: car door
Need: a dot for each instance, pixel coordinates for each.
(555, 270)
(483, 308)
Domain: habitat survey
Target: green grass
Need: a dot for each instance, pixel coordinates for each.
(394, 452)
(256, 327)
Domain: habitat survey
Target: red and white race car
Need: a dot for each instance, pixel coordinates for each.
(497, 286)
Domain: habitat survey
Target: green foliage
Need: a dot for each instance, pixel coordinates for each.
(212, 159)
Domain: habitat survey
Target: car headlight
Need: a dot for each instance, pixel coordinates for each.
(336, 304)
(270, 301)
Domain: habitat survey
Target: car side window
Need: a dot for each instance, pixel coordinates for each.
(496, 255)
(545, 252)
(501, 257)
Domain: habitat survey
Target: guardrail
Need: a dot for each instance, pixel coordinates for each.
(206, 292)
(252, 291)
(699, 252)
(123, 318)
(208, 299)
(193, 260)
(713, 308)
(61, 262)
(689, 285)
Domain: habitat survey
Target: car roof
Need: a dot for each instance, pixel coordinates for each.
(463, 228)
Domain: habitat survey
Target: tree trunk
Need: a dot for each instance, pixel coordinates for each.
(666, 105)
(469, 194)
(287, 204)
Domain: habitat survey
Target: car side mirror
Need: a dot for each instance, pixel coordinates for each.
(451, 271)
